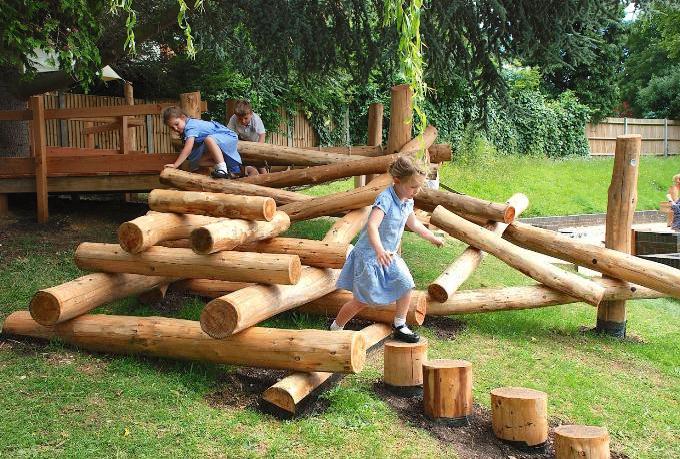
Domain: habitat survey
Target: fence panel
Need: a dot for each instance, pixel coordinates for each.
(659, 136)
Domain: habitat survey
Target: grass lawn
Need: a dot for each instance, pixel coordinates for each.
(58, 401)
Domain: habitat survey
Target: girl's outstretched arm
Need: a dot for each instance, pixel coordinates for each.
(184, 154)
(421, 230)
(374, 219)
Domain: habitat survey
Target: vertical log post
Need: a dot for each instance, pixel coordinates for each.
(622, 199)
(403, 369)
(37, 105)
(520, 414)
(128, 136)
(89, 138)
(375, 128)
(229, 109)
(581, 442)
(447, 391)
(130, 100)
(190, 102)
(400, 118)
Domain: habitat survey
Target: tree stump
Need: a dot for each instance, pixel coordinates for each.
(581, 442)
(447, 390)
(403, 370)
(520, 414)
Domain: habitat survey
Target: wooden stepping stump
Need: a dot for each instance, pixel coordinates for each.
(403, 370)
(581, 442)
(519, 414)
(447, 391)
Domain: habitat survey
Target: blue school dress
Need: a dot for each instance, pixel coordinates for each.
(362, 274)
(225, 138)
(675, 207)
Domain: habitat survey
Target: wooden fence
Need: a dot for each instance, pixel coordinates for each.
(153, 136)
(659, 136)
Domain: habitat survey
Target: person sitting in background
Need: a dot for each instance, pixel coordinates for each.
(673, 197)
(247, 125)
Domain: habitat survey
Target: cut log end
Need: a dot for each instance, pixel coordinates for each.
(280, 398)
(418, 308)
(130, 237)
(203, 243)
(358, 353)
(269, 209)
(219, 318)
(509, 215)
(578, 442)
(45, 308)
(295, 269)
(437, 293)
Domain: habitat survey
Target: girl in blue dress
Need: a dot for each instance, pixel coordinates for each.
(374, 272)
(206, 136)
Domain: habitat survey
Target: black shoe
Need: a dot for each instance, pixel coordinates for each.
(218, 173)
(405, 337)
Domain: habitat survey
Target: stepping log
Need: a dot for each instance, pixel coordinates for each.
(65, 301)
(447, 390)
(520, 414)
(321, 254)
(581, 442)
(213, 204)
(263, 268)
(228, 234)
(403, 369)
(298, 350)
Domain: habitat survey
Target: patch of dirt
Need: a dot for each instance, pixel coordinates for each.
(444, 327)
(476, 441)
(243, 387)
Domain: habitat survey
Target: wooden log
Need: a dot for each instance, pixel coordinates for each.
(622, 199)
(284, 156)
(581, 442)
(213, 204)
(375, 135)
(68, 300)
(330, 304)
(345, 229)
(244, 308)
(440, 152)
(462, 268)
(520, 414)
(190, 103)
(547, 274)
(529, 297)
(401, 114)
(428, 199)
(319, 254)
(613, 263)
(413, 146)
(196, 182)
(298, 350)
(162, 261)
(227, 234)
(39, 143)
(148, 230)
(337, 202)
(290, 395)
(447, 390)
(403, 366)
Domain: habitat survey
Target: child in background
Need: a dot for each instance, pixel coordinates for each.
(247, 125)
(199, 136)
(673, 197)
(374, 272)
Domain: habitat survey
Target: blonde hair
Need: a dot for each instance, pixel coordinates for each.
(243, 108)
(676, 179)
(172, 113)
(404, 167)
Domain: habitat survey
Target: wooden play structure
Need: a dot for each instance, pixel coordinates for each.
(221, 239)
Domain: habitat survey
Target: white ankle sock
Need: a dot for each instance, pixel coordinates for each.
(399, 321)
(221, 167)
(336, 327)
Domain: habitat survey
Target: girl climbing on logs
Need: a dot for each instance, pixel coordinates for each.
(374, 272)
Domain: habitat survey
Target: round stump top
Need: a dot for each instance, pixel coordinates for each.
(446, 363)
(580, 431)
(518, 392)
(400, 344)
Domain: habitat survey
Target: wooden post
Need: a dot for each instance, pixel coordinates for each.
(37, 104)
(4, 204)
(130, 100)
(375, 128)
(89, 136)
(520, 414)
(63, 127)
(403, 369)
(622, 199)
(401, 113)
(581, 442)
(447, 390)
(190, 102)
(229, 109)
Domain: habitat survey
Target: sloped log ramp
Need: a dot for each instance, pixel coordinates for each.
(529, 297)
(298, 350)
(183, 263)
(277, 155)
(345, 229)
(57, 304)
(183, 180)
(464, 205)
(294, 395)
(613, 263)
(213, 204)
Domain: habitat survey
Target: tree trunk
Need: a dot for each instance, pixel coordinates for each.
(213, 204)
(520, 414)
(227, 234)
(403, 366)
(447, 390)
(581, 442)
